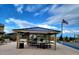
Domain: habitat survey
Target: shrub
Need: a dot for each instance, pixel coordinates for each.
(60, 38)
(2, 39)
(67, 39)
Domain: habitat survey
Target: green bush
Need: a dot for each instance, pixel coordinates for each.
(60, 38)
(2, 39)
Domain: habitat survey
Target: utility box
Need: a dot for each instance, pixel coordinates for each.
(21, 45)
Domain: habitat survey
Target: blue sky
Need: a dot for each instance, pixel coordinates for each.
(15, 16)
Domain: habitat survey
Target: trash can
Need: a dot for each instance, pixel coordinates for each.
(21, 45)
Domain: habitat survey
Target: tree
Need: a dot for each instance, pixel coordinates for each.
(67, 39)
(70, 38)
(61, 38)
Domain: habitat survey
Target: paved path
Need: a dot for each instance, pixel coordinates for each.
(10, 49)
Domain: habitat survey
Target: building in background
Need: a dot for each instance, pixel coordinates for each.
(1, 30)
(11, 36)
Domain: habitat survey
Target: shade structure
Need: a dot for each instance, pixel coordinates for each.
(35, 31)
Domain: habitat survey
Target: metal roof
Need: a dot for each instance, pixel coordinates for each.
(37, 29)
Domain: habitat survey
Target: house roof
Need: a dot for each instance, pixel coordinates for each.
(1, 24)
(37, 29)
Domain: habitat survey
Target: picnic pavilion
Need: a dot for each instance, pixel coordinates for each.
(35, 36)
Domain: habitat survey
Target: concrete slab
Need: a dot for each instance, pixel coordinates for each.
(10, 49)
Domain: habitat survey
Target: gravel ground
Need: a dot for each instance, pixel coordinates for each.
(10, 49)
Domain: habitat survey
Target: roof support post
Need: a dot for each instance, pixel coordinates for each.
(48, 37)
(55, 40)
(17, 40)
(27, 38)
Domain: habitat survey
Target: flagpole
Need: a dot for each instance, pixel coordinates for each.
(62, 23)
(62, 29)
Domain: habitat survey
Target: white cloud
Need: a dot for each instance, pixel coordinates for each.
(20, 23)
(19, 7)
(75, 31)
(70, 31)
(47, 26)
(64, 9)
(63, 12)
(33, 8)
(47, 9)
(66, 31)
(30, 8)
(17, 22)
(41, 11)
(68, 12)
(53, 7)
(24, 24)
(8, 29)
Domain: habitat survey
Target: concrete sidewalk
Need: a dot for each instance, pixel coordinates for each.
(10, 49)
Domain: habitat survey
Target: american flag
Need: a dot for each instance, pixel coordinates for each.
(64, 21)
